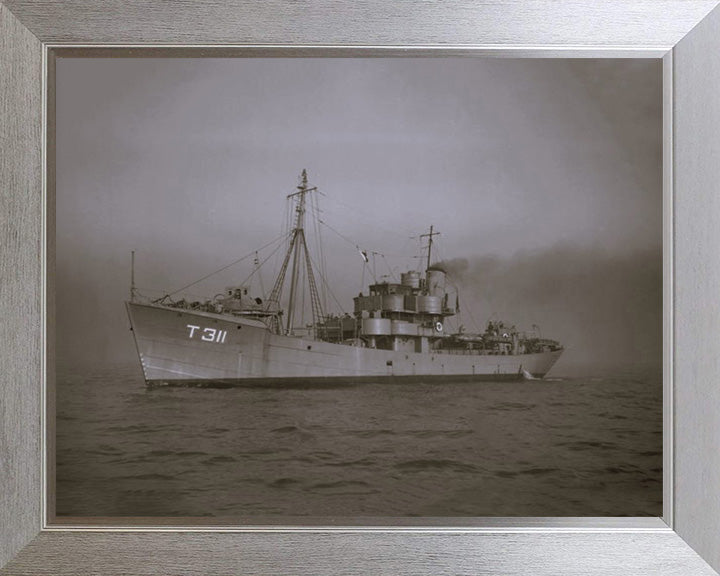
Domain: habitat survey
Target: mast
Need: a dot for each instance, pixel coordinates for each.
(430, 240)
(296, 248)
(299, 244)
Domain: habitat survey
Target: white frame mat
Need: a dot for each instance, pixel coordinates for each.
(685, 34)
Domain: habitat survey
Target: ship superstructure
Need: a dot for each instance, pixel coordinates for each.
(398, 331)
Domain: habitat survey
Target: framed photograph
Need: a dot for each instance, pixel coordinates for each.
(272, 252)
(311, 349)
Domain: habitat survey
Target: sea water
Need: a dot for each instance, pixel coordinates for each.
(584, 442)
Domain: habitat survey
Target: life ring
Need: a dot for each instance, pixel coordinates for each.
(438, 327)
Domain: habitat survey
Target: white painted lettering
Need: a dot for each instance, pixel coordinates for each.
(208, 334)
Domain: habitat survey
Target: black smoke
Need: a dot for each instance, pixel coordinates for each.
(605, 309)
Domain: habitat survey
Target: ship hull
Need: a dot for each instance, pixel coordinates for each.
(190, 348)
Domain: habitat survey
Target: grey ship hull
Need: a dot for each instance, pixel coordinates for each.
(191, 348)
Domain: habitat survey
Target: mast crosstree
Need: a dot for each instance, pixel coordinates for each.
(300, 255)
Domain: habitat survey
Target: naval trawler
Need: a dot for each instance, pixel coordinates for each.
(398, 331)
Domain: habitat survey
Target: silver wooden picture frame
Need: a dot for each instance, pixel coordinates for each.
(685, 34)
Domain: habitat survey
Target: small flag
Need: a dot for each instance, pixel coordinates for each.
(364, 255)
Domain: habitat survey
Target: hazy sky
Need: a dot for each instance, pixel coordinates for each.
(544, 177)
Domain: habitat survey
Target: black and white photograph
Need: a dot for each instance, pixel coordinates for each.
(297, 288)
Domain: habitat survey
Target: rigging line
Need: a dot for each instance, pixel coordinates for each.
(392, 273)
(286, 231)
(355, 245)
(302, 296)
(340, 307)
(262, 288)
(323, 257)
(349, 241)
(338, 233)
(277, 289)
(358, 210)
(317, 311)
(314, 203)
(465, 308)
(224, 267)
(260, 265)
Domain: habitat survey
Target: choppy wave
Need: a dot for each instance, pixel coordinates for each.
(562, 446)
